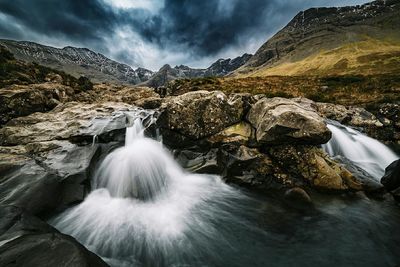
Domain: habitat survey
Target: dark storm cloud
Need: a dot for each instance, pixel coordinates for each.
(80, 20)
(197, 28)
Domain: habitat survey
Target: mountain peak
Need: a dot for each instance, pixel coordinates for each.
(77, 62)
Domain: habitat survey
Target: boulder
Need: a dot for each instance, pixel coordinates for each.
(314, 167)
(42, 176)
(284, 121)
(22, 100)
(298, 196)
(27, 241)
(391, 179)
(354, 116)
(200, 114)
(247, 167)
(47, 158)
(70, 121)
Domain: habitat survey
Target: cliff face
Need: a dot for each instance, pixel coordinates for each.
(77, 62)
(320, 41)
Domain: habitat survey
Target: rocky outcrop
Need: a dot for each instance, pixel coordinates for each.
(353, 116)
(381, 123)
(47, 158)
(22, 100)
(313, 166)
(200, 114)
(27, 241)
(391, 179)
(282, 121)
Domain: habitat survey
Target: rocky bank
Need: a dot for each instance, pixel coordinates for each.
(51, 143)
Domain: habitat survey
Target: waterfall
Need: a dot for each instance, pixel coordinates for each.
(144, 208)
(364, 152)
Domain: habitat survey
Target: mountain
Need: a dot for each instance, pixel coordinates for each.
(77, 62)
(223, 67)
(363, 39)
(219, 68)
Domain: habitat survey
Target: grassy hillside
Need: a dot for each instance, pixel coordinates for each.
(367, 57)
(357, 40)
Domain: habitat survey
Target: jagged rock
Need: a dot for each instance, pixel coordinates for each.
(199, 162)
(70, 121)
(247, 167)
(314, 166)
(354, 116)
(200, 114)
(391, 179)
(282, 121)
(42, 166)
(27, 241)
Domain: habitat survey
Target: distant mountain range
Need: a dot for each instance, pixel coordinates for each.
(77, 62)
(98, 68)
(355, 40)
(219, 68)
(362, 39)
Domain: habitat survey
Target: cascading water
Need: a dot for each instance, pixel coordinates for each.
(144, 207)
(365, 152)
(145, 210)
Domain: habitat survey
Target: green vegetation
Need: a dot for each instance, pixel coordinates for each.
(13, 71)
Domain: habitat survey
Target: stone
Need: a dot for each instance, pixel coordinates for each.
(298, 196)
(391, 179)
(70, 121)
(314, 167)
(247, 167)
(240, 133)
(22, 100)
(284, 121)
(200, 114)
(27, 241)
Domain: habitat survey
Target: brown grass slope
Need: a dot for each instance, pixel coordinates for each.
(333, 41)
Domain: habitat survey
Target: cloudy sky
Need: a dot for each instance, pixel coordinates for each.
(151, 33)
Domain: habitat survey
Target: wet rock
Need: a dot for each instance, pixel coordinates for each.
(26, 184)
(200, 114)
(27, 241)
(42, 176)
(298, 196)
(199, 162)
(314, 167)
(391, 179)
(247, 167)
(283, 121)
(47, 158)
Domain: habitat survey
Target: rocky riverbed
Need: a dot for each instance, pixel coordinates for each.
(52, 138)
